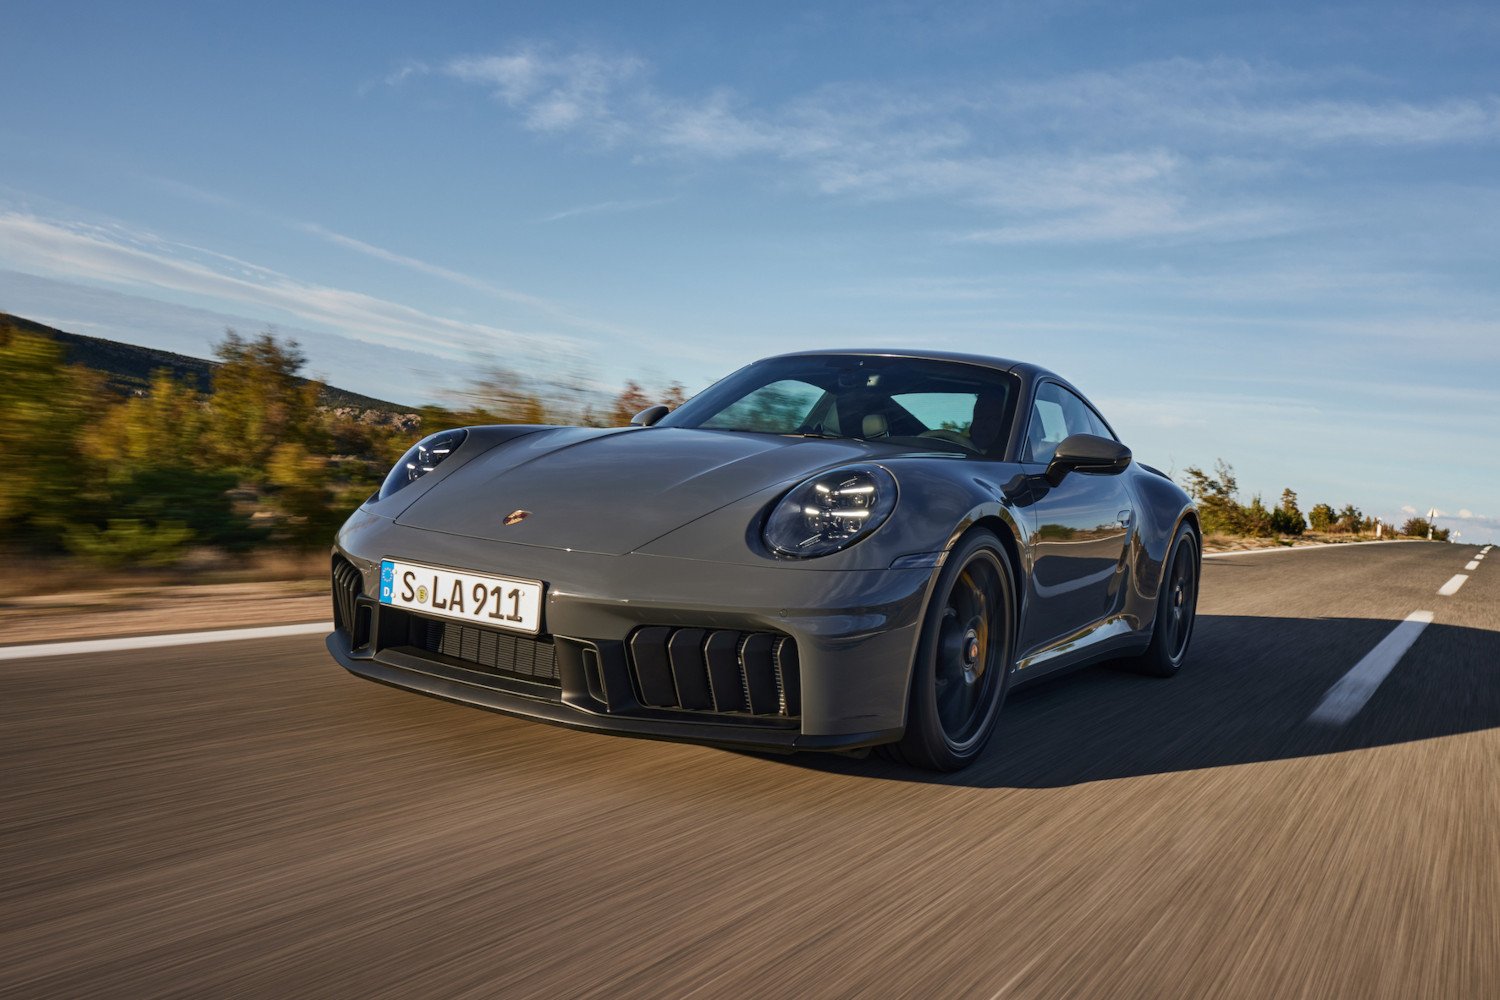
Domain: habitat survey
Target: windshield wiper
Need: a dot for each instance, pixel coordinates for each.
(819, 432)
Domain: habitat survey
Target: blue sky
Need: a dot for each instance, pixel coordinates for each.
(1268, 233)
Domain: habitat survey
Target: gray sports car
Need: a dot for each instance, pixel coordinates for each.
(824, 551)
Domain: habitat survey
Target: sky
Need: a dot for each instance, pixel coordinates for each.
(1267, 233)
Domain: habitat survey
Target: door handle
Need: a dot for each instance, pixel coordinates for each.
(1124, 518)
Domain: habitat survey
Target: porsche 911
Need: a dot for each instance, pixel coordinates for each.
(827, 550)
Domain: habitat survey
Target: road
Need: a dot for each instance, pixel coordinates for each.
(245, 819)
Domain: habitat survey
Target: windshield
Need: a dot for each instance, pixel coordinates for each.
(913, 402)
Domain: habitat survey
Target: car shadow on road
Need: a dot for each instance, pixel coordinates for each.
(1244, 696)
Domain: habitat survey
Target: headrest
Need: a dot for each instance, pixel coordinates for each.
(875, 426)
(989, 421)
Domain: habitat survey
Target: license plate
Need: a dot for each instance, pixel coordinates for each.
(495, 601)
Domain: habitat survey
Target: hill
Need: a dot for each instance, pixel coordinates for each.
(128, 367)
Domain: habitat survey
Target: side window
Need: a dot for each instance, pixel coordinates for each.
(1097, 423)
(1055, 414)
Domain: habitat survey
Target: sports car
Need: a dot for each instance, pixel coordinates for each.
(827, 550)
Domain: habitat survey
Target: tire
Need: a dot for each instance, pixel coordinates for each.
(1176, 609)
(963, 660)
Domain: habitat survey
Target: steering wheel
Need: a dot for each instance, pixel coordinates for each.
(952, 437)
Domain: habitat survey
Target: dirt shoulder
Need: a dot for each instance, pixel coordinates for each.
(154, 610)
(1237, 543)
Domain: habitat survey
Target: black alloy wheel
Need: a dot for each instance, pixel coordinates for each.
(1176, 611)
(963, 659)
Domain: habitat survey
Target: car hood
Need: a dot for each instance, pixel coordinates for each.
(613, 491)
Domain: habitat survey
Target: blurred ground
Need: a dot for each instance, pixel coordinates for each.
(245, 819)
(153, 610)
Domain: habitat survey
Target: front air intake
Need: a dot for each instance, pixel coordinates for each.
(716, 670)
(348, 616)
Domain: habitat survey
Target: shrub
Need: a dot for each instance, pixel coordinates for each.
(128, 542)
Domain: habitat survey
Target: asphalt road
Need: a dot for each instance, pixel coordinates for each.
(245, 819)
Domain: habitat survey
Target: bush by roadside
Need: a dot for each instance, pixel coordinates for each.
(155, 478)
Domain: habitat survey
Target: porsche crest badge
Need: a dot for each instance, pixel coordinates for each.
(516, 517)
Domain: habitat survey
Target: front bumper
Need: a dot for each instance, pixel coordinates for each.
(855, 637)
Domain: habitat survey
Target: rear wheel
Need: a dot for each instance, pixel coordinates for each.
(1176, 609)
(963, 659)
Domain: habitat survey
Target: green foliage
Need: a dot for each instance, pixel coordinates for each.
(1420, 527)
(259, 403)
(1350, 520)
(1217, 497)
(44, 405)
(1287, 518)
(197, 499)
(128, 542)
(166, 427)
(308, 498)
(1322, 518)
(1256, 520)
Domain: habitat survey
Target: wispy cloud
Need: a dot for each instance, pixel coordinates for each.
(552, 92)
(607, 208)
(141, 260)
(546, 307)
(1072, 159)
(537, 303)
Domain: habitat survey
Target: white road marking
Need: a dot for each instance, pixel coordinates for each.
(86, 646)
(1349, 694)
(1451, 587)
(1306, 548)
(1473, 565)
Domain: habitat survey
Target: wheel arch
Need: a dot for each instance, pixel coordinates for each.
(1005, 531)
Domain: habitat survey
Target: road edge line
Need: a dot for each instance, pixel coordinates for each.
(82, 647)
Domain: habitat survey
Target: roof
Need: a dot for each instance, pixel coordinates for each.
(1023, 368)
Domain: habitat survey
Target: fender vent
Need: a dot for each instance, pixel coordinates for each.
(716, 670)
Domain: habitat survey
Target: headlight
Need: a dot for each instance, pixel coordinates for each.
(420, 459)
(831, 511)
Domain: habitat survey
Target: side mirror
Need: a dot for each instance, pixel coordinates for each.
(1087, 453)
(650, 415)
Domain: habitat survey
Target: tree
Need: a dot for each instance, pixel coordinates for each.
(1321, 517)
(1287, 518)
(1350, 519)
(1420, 527)
(304, 496)
(259, 401)
(1217, 498)
(496, 395)
(167, 426)
(1256, 520)
(44, 406)
(631, 400)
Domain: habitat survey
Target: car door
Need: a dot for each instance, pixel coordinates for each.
(1082, 526)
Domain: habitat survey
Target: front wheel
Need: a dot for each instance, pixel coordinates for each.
(963, 658)
(1176, 609)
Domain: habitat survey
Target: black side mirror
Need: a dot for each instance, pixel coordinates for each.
(1087, 453)
(650, 415)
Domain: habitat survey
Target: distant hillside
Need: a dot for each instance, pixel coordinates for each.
(128, 368)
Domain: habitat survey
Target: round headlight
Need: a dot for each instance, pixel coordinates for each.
(420, 459)
(831, 511)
